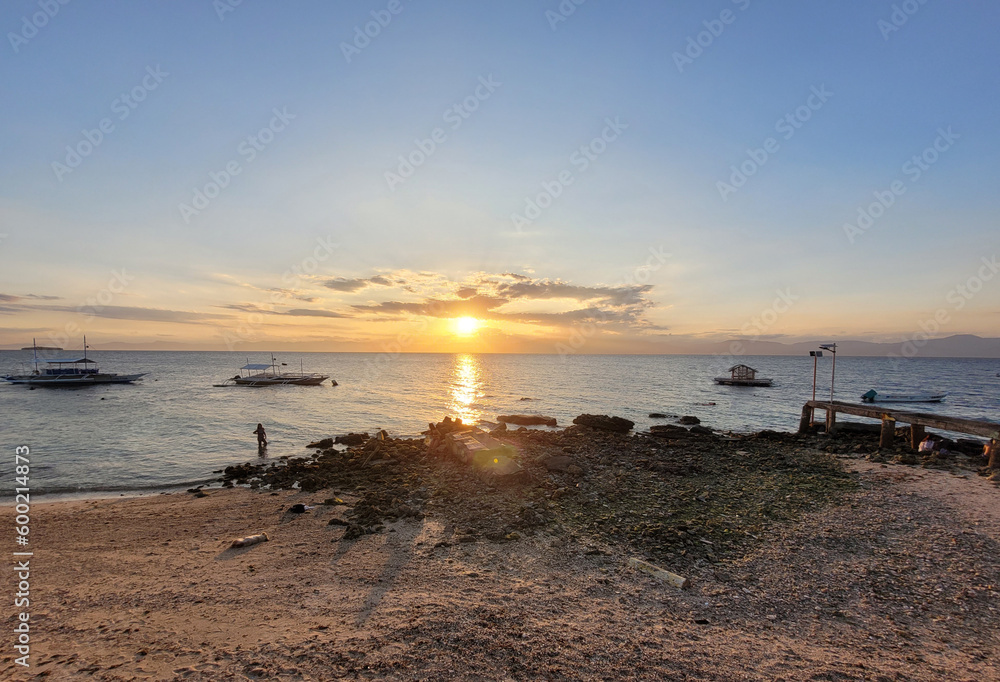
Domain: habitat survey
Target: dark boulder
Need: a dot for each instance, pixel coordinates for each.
(352, 439)
(321, 444)
(603, 422)
(557, 462)
(688, 420)
(527, 419)
(669, 431)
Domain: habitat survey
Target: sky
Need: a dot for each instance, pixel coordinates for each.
(519, 176)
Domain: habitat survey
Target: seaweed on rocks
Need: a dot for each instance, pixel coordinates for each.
(681, 496)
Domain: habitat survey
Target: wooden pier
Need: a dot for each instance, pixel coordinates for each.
(918, 421)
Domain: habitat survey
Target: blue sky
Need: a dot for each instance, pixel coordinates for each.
(653, 188)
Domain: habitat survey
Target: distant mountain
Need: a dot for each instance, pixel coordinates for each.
(957, 346)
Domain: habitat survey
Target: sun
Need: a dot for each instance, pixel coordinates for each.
(465, 326)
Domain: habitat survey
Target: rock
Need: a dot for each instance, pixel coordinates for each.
(297, 509)
(321, 444)
(688, 420)
(657, 415)
(603, 422)
(527, 419)
(557, 462)
(352, 439)
(353, 531)
(499, 431)
(669, 431)
(701, 430)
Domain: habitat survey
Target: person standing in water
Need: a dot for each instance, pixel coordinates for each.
(261, 436)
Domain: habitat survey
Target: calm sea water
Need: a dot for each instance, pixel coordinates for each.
(175, 428)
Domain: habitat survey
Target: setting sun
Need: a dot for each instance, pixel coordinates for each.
(466, 325)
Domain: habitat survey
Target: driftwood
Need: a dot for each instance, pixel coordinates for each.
(657, 572)
(250, 540)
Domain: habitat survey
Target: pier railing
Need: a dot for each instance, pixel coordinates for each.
(918, 421)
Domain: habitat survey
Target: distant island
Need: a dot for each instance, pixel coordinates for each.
(41, 348)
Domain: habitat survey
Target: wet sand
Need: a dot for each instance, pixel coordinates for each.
(898, 582)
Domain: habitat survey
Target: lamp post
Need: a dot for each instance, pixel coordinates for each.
(832, 347)
(815, 354)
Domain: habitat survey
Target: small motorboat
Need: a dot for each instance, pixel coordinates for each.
(69, 372)
(874, 396)
(270, 375)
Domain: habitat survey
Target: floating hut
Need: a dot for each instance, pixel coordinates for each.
(743, 375)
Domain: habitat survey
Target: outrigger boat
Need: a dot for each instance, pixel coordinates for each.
(69, 372)
(874, 396)
(269, 375)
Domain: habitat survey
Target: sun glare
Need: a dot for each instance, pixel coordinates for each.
(466, 325)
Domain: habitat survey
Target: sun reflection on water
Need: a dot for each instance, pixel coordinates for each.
(466, 382)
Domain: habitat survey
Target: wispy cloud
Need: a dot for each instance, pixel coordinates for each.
(120, 312)
(496, 297)
(10, 298)
(357, 284)
(310, 312)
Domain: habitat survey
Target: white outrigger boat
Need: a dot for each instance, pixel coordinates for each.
(874, 396)
(269, 375)
(70, 372)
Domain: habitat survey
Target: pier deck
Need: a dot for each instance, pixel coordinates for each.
(918, 421)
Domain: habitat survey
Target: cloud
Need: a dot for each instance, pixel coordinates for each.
(309, 312)
(356, 284)
(295, 312)
(10, 298)
(120, 312)
(466, 292)
(548, 289)
(245, 307)
(476, 306)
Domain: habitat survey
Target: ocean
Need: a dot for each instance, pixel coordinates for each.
(174, 428)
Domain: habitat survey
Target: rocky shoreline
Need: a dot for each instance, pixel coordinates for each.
(687, 497)
(774, 556)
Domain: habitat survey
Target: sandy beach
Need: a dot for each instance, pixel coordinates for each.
(897, 581)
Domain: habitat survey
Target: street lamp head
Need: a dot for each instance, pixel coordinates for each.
(832, 347)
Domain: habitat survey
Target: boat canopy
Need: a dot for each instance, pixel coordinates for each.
(64, 362)
(256, 367)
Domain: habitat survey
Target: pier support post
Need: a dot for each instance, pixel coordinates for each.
(917, 434)
(831, 419)
(806, 421)
(888, 432)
